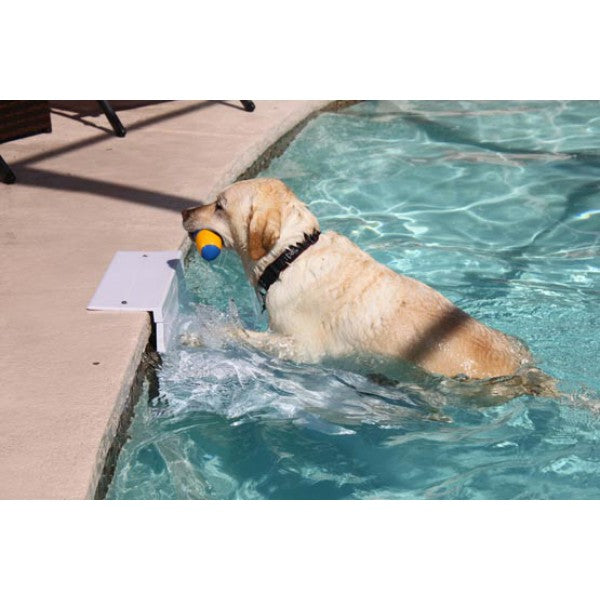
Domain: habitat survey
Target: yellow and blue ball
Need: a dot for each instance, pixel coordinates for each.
(209, 244)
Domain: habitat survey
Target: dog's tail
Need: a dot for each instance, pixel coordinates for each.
(536, 383)
(527, 381)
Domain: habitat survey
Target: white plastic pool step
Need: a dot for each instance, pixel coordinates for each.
(145, 281)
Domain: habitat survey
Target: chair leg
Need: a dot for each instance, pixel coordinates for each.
(111, 115)
(6, 175)
(248, 105)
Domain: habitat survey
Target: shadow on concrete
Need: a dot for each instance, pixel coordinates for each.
(109, 134)
(78, 110)
(80, 119)
(91, 108)
(35, 177)
(232, 105)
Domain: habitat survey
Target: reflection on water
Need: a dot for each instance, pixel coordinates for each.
(494, 204)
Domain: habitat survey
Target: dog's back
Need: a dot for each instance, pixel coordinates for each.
(339, 300)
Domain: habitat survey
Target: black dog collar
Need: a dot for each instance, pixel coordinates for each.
(282, 262)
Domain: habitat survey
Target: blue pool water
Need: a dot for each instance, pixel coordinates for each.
(494, 204)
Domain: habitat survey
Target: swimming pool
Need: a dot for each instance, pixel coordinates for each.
(494, 204)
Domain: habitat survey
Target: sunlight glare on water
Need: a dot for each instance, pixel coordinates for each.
(494, 204)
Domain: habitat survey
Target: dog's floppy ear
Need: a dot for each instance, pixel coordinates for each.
(263, 231)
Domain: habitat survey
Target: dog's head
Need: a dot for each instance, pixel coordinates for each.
(255, 217)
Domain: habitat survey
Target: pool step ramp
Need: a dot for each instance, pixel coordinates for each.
(146, 281)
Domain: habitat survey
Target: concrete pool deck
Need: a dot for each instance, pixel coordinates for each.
(82, 194)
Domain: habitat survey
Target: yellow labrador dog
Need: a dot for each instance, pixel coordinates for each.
(326, 298)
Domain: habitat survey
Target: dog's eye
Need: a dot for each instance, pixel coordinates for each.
(218, 205)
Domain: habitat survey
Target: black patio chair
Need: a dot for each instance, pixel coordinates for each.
(6, 175)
